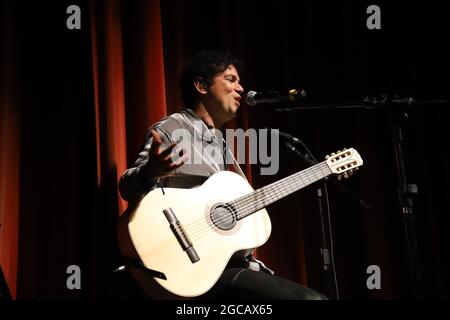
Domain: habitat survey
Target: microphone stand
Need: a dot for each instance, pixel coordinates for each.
(398, 112)
(405, 194)
(323, 201)
(324, 250)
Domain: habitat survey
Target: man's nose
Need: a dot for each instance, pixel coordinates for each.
(239, 88)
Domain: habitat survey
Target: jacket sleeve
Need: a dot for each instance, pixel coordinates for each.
(134, 183)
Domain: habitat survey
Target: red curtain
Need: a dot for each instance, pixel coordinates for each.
(9, 186)
(9, 158)
(109, 89)
(111, 112)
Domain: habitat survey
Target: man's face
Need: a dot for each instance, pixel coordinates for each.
(225, 93)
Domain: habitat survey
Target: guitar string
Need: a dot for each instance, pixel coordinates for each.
(246, 204)
(256, 194)
(275, 193)
(249, 200)
(207, 229)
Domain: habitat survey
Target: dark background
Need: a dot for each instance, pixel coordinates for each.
(323, 47)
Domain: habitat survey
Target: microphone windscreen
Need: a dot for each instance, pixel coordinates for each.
(250, 98)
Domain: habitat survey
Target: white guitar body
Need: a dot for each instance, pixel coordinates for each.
(159, 250)
(221, 217)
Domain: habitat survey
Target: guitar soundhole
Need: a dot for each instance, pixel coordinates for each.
(223, 216)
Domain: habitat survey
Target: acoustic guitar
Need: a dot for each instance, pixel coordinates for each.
(186, 237)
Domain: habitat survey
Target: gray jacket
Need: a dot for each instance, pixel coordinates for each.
(207, 154)
(197, 140)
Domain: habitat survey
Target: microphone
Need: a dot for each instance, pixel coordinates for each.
(252, 98)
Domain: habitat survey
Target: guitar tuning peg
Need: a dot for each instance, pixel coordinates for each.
(339, 151)
(339, 177)
(327, 156)
(333, 154)
(356, 169)
(345, 175)
(345, 149)
(350, 172)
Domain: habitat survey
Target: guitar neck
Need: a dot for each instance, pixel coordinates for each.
(267, 195)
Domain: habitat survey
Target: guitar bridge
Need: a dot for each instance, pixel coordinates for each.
(181, 235)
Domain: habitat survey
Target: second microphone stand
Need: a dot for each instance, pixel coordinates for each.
(324, 250)
(398, 110)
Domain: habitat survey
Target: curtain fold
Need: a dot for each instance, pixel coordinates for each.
(9, 151)
(121, 118)
(109, 98)
(9, 184)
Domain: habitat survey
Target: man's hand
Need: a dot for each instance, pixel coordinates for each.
(160, 162)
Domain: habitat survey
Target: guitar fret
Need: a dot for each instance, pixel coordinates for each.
(267, 195)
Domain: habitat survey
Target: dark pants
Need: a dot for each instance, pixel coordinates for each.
(242, 283)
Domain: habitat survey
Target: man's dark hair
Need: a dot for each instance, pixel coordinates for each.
(204, 64)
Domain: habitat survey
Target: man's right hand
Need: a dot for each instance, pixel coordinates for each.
(160, 162)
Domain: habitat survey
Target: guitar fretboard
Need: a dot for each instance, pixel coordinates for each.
(261, 198)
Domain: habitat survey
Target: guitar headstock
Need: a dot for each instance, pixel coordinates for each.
(344, 163)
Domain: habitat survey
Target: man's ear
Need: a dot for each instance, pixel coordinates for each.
(200, 85)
